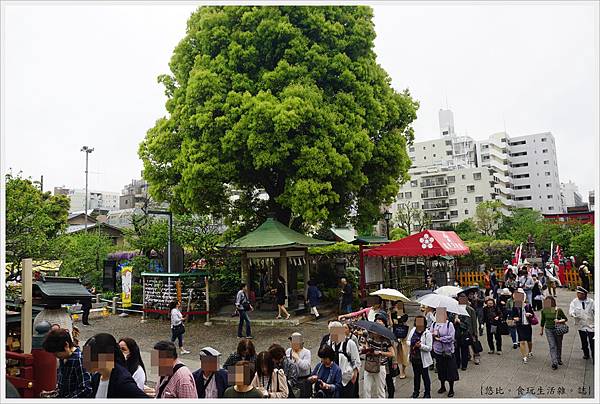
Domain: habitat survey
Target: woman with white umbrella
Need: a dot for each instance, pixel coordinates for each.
(443, 347)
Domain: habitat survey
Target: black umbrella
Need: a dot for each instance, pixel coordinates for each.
(376, 328)
(467, 289)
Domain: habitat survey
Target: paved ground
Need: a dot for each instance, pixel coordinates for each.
(502, 376)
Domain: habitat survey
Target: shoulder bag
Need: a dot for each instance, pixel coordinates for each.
(560, 328)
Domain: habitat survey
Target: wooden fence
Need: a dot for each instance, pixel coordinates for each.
(473, 278)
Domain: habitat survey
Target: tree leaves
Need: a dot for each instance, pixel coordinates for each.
(288, 100)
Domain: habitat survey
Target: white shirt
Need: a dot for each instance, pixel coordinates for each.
(140, 377)
(426, 346)
(584, 317)
(176, 317)
(347, 366)
(211, 387)
(102, 391)
(303, 363)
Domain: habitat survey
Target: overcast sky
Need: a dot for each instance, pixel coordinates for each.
(79, 75)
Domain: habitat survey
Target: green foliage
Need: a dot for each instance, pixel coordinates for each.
(33, 221)
(582, 245)
(194, 233)
(82, 256)
(137, 293)
(412, 219)
(397, 233)
(519, 224)
(334, 249)
(488, 217)
(489, 252)
(289, 100)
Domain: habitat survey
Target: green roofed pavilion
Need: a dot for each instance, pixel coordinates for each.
(266, 253)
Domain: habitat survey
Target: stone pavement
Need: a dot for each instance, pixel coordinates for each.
(498, 376)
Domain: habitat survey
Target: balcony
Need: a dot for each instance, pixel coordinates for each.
(434, 195)
(435, 206)
(440, 217)
(432, 184)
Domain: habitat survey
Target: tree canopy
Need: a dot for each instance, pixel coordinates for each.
(284, 100)
(33, 220)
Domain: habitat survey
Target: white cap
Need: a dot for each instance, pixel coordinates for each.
(209, 351)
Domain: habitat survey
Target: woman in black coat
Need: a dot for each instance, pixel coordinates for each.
(111, 378)
(280, 296)
(492, 317)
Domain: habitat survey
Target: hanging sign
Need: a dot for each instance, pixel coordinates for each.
(126, 285)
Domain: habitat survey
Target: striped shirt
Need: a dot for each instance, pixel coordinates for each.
(73, 380)
(179, 385)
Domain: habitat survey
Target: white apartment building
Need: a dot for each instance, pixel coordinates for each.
(570, 196)
(451, 175)
(96, 199)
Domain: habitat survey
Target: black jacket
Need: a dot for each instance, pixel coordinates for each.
(220, 379)
(121, 384)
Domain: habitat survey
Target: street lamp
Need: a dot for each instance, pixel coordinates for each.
(387, 216)
(87, 151)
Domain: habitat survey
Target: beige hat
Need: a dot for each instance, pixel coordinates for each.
(505, 292)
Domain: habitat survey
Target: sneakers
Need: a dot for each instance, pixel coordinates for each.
(530, 355)
(499, 353)
(450, 393)
(525, 359)
(476, 361)
(184, 352)
(491, 352)
(560, 362)
(249, 337)
(288, 317)
(554, 366)
(515, 345)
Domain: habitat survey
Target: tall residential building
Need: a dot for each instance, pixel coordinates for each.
(591, 199)
(570, 196)
(96, 199)
(134, 195)
(457, 172)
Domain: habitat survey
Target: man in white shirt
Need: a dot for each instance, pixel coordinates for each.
(582, 310)
(348, 357)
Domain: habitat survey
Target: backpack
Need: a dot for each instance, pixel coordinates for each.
(344, 352)
(162, 385)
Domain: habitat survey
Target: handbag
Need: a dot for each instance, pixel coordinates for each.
(179, 329)
(504, 328)
(510, 322)
(372, 364)
(533, 320)
(493, 329)
(561, 329)
(393, 369)
(477, 347)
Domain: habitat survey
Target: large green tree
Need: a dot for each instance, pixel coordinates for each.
(33, 220)
(285, 100)
(488, 217)
(83, 255)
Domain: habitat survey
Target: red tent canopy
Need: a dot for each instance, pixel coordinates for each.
(425, 243)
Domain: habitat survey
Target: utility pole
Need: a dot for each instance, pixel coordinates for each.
(87, 151)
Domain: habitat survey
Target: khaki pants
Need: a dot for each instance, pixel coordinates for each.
(375, 384)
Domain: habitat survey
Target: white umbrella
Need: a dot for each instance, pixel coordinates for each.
(450, 291)
(390, 294)
(434, 300)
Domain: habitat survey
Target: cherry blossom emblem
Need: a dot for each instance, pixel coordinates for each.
(426, 241)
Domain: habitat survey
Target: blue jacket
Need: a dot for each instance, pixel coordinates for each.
(313, 296)
(220, 379)
(120, 385)
(334, 379)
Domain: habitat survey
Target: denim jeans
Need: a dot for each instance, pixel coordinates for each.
(555, 345)
(244, 318)
(513, 334)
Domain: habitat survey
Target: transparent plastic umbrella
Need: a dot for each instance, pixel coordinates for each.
(434, 300)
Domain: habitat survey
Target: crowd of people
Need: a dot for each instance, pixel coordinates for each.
(361, 355)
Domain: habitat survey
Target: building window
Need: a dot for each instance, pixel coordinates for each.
(523, 198)
(401, 195)
(466, 211)
(521, 176)
(463, 176)
(522, 186)
(470, 188)
(423, 147)
(433, 145)
(411, 149)
(548, 185)
(485, 158)
(546, 161)
(451, 190)
(549, 197)
(408, 195)
(451, 179)
(543, 139)
(453, 213)
(414, 183)
(520, 142)
(415, 205)
(449, 153)
(452, 202)
(520, 165)
(479, 199)
(476, 176)
(424, 158)
(550, 207)
(445, 132)
(545, 151)
(448, 143)
(465, 200)
(547, 173)
(434, 155)
(519, 154)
